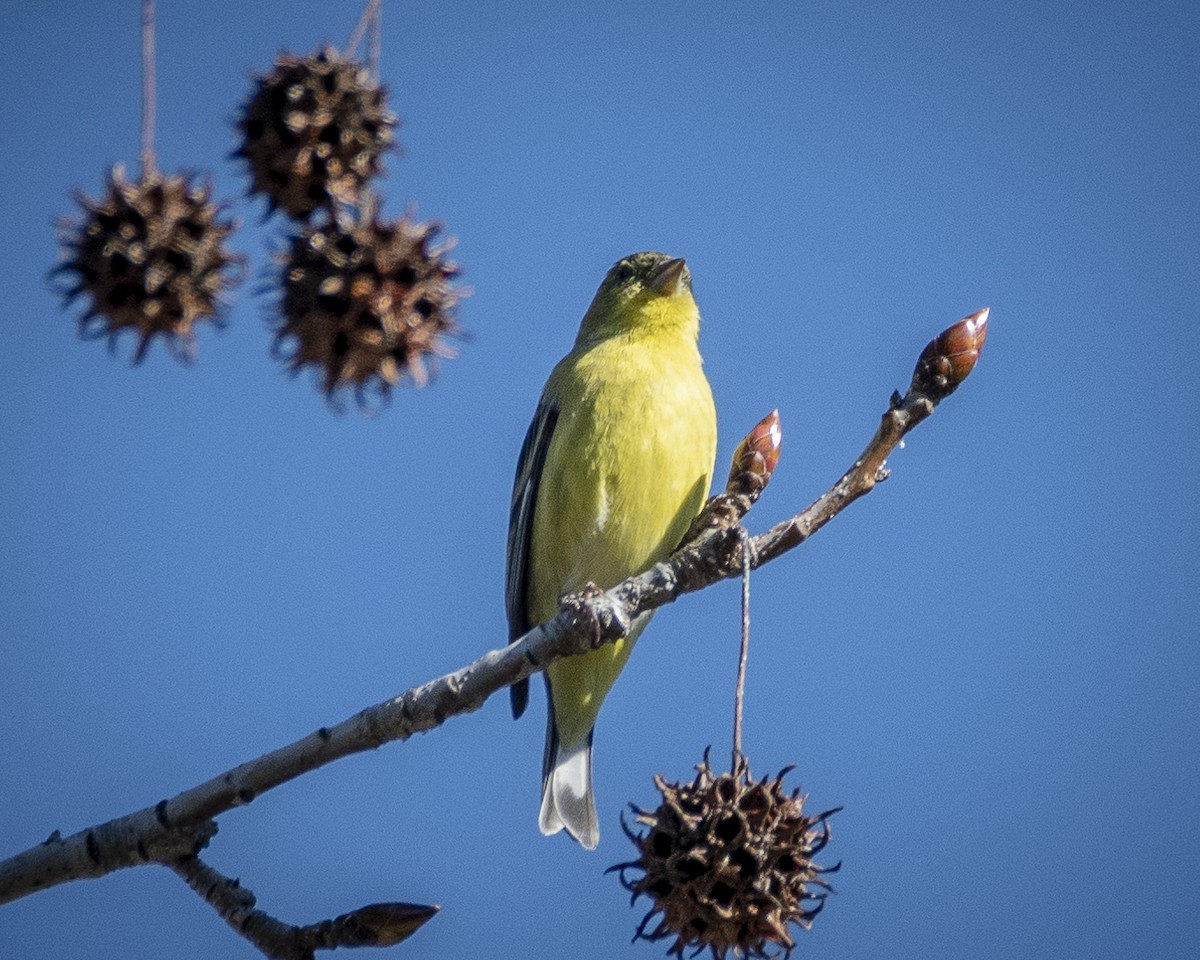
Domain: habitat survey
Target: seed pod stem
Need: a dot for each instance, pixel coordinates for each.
(149, 99)
(743, 653)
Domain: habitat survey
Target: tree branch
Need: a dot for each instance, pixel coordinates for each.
(173, 831)
(377, 925)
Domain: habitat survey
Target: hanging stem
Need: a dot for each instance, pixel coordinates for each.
(743, 654)
(149, 167)
(370, 18)
(376, 40)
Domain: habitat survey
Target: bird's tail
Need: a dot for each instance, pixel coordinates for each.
(567, 798)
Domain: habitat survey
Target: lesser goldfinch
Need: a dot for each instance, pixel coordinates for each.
(616, 464)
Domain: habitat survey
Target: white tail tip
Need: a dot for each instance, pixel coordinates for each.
(567, 798)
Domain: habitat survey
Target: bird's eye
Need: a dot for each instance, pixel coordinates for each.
(624, 272)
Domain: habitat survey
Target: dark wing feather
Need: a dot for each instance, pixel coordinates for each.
(520, 533)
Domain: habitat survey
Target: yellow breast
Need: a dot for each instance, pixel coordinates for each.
(628, 467)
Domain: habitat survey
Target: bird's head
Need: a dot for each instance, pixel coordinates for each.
(642, 292)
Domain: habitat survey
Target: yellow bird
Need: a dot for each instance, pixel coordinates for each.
(617, 462)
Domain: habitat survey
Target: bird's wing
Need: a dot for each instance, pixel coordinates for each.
(520, 533)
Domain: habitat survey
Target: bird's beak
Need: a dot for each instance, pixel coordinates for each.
(668, 278)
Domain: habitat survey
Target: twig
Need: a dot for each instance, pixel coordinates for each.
(376, 925)
(942, 366)
(712, 551)
(149, 105)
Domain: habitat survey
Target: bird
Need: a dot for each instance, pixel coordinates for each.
(615, 465)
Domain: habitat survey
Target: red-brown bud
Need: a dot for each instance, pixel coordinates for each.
(949, 358)
(757, 455)
(382, 924)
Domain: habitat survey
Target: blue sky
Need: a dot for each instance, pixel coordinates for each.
(991, 662)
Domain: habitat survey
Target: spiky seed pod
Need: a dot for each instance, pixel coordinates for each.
(150, 257)
(727, 864)
(366, 301)
(313, 132)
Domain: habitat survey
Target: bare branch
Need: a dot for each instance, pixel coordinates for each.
(944, 364)
(582, 625)
(99, 850)
(712, 551)
(376, 925)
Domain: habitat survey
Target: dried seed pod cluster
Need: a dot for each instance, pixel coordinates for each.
(149, 257)
(313, 132)
(366, 301)
(727, 864)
